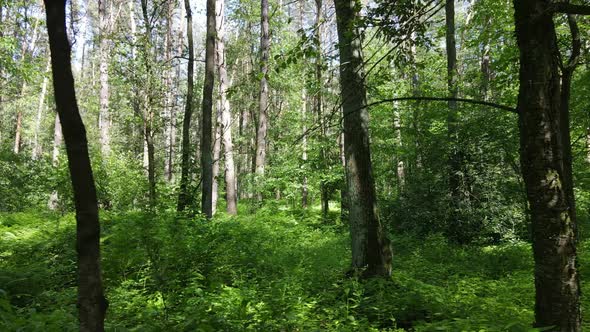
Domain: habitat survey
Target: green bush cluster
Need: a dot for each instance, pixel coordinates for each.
(273, 270)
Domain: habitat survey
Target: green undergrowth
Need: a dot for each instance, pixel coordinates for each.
(271, 270)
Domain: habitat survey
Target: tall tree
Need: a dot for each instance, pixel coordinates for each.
(452, 122)
(91, 301)
(183, 195)
(104, 122)
(224, 105)
(261, 132)
(371, 251)
(557, 302)
(206, 116)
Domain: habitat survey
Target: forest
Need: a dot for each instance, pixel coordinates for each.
(294, 165)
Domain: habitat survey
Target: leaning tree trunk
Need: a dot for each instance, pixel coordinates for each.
(206, 116)
(557, 287)
(231, 187)
(261, 133)
(183, 195)
(91, 301)
(371, 250)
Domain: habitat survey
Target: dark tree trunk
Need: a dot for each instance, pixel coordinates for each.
(545, 173)
(183, 195)
(91, 301)
(371, 251)
(207, 110)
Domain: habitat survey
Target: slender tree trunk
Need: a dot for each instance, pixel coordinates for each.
(148, 113)
(169, 104)
(91, 301)
(318, 101)
(57, 141)
(400, 170)
(40, 107)
(104, 122)
(452, 126)
(304, 188)
(27, 48)
(183, 196)
(371, 251)
(557, 299)
(216, 160)
(261, 133)
(207, 110)
(225, 123)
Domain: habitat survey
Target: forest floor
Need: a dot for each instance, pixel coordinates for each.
(274, 270)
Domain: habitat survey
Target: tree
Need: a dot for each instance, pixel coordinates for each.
(262, 128)
(545, 173)
(226, 130)
(371, 250)
(452, 123)
(92, 304)
(104, 124)
(206, 116)
(183, 195)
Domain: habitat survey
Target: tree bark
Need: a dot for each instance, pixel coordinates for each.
(371, 251)
(57, 141)
(545, 173)
(26, 49)
(261, 133)
(318, 101)
(169, 104)
(216, 160)
(455, 222)
(40, 107)
(104, 123)
(226, 123)
(183, 195)
(91, 301)
(148, 113)
(207, 110)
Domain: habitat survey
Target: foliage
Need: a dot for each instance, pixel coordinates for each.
(274, 270)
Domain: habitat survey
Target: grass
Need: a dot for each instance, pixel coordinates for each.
(273, 270)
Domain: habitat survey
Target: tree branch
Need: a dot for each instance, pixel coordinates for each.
(568, 8)
(463, 100)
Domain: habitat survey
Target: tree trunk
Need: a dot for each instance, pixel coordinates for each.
(148, 113)
(19, 116)
(57, 141)
(207, 110)
(91, 301)
(216, 160)
(169, 104)
(183, 195)
(104, 122)
(40, 107)
(261, 133)
(545, 175)
(318, 101)
(455, 221)
(304, 189)
(400, 170)
(226, 131)
(371, 251)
